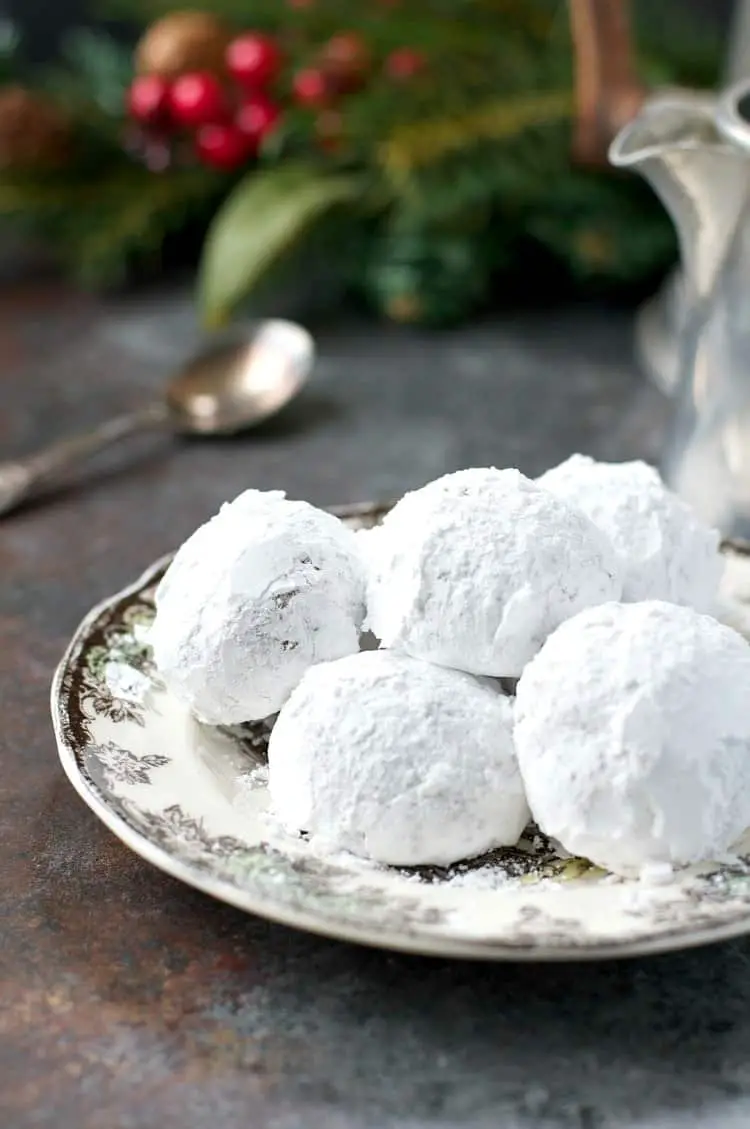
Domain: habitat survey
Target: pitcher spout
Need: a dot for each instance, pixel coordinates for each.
(700, 175)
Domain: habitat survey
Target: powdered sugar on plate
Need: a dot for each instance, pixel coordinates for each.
(126, 683)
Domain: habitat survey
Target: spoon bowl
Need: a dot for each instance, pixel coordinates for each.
(240, 383)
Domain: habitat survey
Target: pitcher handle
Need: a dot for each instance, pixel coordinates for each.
(733, 113)
(608, 92)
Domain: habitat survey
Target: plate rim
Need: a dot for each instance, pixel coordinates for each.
(417, 943)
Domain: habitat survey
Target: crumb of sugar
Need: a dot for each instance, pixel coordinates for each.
(125, 682)
(656, 874)
(256, 777)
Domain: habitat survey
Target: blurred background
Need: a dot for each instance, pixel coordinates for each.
(424, 161)
(45, 25)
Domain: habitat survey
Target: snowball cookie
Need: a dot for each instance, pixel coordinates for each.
(665, 551)
(251, 600)
(633, 735)
(476, 569)
(398, 761)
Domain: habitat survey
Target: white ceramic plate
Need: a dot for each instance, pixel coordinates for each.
(192, 801)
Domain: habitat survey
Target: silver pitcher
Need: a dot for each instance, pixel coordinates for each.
(659, 321)
(695, 151)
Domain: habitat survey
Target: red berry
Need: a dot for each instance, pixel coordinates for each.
(222, 147)
(256, 118)
(253, 59)
(404, 63)
(148, 99)
(311, 87)
(198, 99)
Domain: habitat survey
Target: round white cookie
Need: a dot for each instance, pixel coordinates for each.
(475, 570)
(665, 551)
(396, 760)
(260, 592)
(633, 736)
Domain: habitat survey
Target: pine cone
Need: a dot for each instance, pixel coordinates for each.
(181, 42)
(33, 132)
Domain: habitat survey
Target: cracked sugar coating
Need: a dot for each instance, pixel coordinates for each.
(260, 592)
(665, 550)
(633, 736)
(396, 760)
(475, 570)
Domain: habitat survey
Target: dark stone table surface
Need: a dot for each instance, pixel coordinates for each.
(128, 1001)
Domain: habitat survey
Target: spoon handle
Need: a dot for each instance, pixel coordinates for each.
(22, 478)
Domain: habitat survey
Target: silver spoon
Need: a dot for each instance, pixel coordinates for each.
(226, 389)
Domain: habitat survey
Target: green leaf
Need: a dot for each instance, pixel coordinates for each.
(261, 221)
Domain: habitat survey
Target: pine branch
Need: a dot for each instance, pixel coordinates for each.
(104, 227)
(415, 146)
(473, 150)
(135, 217)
